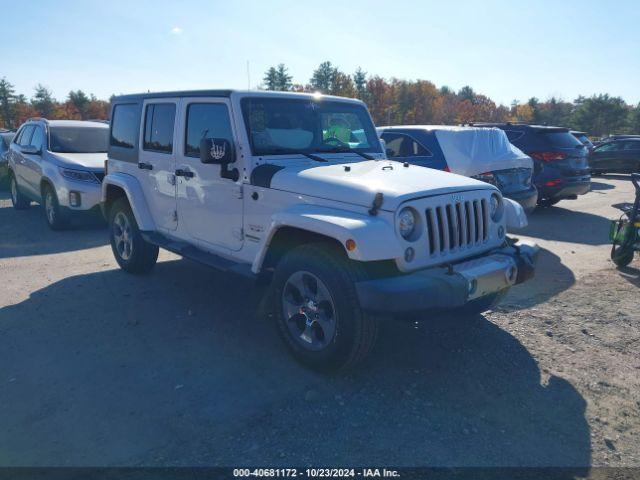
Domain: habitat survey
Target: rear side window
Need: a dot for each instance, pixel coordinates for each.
(124, 126)
(513, 135)
(562, 139)
(158, 127)
(206, 120)
(401, 145)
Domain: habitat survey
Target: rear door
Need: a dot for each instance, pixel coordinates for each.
(19, 160)
(32, 165)
(606, 157)
(157, 160)
(630, 158)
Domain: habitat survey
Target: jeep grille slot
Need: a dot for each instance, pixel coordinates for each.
(457, 225)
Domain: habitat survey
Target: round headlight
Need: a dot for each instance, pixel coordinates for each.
(407, 222)
(495, 207)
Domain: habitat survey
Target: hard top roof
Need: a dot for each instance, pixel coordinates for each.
(135, 97)
(522, 126)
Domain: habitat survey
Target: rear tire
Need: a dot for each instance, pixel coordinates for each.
(53, 214)
(317, 309)
(548, 202)
(19, 201)
(622, 256)
(132, 252)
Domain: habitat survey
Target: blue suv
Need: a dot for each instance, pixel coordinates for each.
(560, 161)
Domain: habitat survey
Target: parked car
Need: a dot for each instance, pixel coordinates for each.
(560, 166)
(60, 164)
(294, 190)
(583, 138)
(481, 153)
(616, 156)
(5, 140)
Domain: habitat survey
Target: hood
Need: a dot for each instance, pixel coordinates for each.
(93, 161)
(364, 179)
(472, 151)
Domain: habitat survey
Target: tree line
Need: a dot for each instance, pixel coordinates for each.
(16, 108)
(391, 102)
(396, 102)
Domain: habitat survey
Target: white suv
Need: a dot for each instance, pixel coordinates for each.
(60, 164)
(295, 190)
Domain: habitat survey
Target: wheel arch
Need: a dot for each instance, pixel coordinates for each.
(119, 185)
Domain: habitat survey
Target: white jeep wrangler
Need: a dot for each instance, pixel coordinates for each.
(295, 189)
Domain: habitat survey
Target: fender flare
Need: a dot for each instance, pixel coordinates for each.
(374, 237)
(133, 190)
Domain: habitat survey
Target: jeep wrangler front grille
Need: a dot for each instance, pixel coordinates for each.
(455, 225)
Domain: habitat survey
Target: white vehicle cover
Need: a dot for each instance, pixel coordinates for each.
(470, 150)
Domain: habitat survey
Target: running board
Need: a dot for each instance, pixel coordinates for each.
(192, 253)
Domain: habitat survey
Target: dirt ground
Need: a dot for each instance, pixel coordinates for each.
(99, 368)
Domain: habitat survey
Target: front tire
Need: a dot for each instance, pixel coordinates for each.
(132, 252)
(317, 309)
(53, 214)
(622, 256)
(19, 201)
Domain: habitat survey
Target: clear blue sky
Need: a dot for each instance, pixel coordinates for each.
(504, 49)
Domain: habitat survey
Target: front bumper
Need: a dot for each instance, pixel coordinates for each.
(442, 288)
(89, 194)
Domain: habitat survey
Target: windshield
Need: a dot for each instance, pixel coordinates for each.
(277, 126)
(78, 139)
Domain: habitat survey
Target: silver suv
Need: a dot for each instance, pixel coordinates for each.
(59, 164)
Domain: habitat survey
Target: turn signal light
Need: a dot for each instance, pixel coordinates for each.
(350, 244)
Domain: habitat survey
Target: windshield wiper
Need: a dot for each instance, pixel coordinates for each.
(284, 151)
(346, 150)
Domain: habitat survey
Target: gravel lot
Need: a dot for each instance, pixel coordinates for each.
(177, 368)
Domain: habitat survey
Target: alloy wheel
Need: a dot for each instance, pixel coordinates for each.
(309, 311)
(122, 236)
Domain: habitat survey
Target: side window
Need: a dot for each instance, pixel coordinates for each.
(513, 135)
(401, 145)
(124, 126)
(158, 127)
(25, 136)
(205, 120)
(631, 145)
(609, 147)
(393, 142)
(37, 140)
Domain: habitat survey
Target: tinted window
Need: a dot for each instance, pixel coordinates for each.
(124, 126)
(205, 120)
(401, 145)
(562, 139)
(631, 146)
(78, 139)
(513, 134)
(158, 127)
(37, 140)
(25, 136)
(609, 147)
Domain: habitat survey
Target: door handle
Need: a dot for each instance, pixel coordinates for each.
(145, 166)
(184, 173)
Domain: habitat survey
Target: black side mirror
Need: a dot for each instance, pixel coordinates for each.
(216, 150)
(219, 151)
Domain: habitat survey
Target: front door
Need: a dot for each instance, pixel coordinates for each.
(209, 206)
(157, 160)
(33, 162)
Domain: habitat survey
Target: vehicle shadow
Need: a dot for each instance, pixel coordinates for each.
(577, 227)
(630, 274)
(176, 368)
(25, 232)
(616, 176)
(596, 186)
(551, 278)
